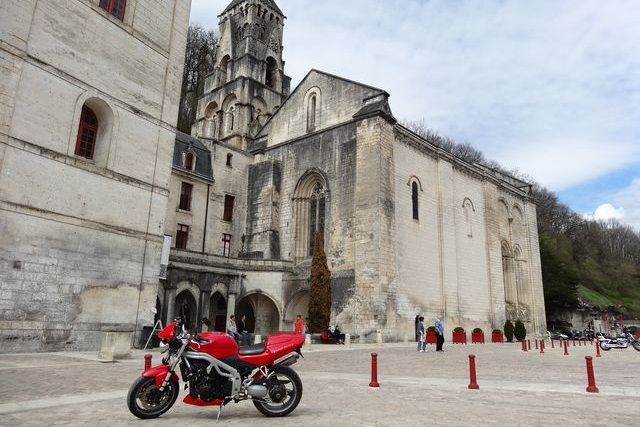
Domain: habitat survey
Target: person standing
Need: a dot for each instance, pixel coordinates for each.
(242, 330)
(299, 325)
(422, 345)
(232, 328)
(416, 328)
(439, 335)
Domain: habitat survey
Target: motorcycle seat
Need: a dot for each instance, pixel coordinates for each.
(251, 350)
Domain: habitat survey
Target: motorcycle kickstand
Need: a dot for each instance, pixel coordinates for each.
(219, 412)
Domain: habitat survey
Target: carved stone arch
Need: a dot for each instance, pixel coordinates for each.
(467, 202)
(108, 126)
(469, 209)
(312, 193)
(187, 303)
(212, 117)
(267, 311)
(506, 249)
(517, 252)
(188, 285)
(229, 111)
(297, 302)
(505, 205)
(517, 212)
(414, 178)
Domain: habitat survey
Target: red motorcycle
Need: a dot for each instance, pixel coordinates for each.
(217, 372)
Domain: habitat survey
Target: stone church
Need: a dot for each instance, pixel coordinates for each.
(111, 220)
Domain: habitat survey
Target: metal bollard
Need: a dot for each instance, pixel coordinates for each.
(473, 382)
(598, 350)
(536, 343)
(566, 351)
(591, 379)
(552, 344)
(529, 345)
(374, 370)
(147, 361)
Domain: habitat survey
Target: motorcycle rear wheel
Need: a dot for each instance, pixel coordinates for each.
(605, 348)
(284, 380)
(145, 401)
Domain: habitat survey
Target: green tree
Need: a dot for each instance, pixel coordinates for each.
(520, 331)
(320, 289)
(508, 331)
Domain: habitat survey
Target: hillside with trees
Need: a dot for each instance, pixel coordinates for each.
(585, 263)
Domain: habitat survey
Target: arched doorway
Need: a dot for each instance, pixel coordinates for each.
(218, 312)
(299, 304)
(187, 308)
(263, 316)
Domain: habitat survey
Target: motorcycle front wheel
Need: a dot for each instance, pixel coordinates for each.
(605, 348)
(284, 391)
(636, 345)
(146, 401)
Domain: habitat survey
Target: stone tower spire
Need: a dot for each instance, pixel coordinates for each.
(248, 82)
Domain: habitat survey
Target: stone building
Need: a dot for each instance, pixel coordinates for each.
(89, 95)
(408, 227)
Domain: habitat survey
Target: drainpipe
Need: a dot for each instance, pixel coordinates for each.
(206, 217)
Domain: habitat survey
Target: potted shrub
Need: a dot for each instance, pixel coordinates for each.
(496, 336)
(508, 331)
(459, 335)
(520, 332)
(477, 336)
(431, 335)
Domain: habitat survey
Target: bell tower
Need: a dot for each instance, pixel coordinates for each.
(248, 82)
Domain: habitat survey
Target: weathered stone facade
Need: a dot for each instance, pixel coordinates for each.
(408, 227)
(80, 237)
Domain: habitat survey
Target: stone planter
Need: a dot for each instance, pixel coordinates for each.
(477, 337)
(431, 337)
(459, 337)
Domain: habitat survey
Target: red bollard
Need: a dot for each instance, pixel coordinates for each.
(552, 344)
(598, 350)
(591, 388)
(374, 370)
(473, 383)
(566, 352)
(529, 344)
(574, 342)
(541, 346)
(147, 362)
(524, 345)
(580, 343)
(536, 343)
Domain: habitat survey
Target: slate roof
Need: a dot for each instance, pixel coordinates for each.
(185, 142)
(270, 3)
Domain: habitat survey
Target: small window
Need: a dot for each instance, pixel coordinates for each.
(226, 245)
(228, 208)
(311, 114)
(182, 236)
(189, 161)
(87, 133)
(185, 196)
(229, 160)
(414, 200)
(114, 7)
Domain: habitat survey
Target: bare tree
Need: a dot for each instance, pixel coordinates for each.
(199, 62)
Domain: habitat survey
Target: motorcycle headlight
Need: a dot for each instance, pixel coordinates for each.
(163, 347)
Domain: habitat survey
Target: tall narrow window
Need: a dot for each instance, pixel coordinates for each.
(311, 114)
(189, 161)
(114, 7)
(226, 245)
(87, 133)
(414, 200)
(185, 196)
(182, 236)
(271, 73)
(229, 160)
(229, 201)
(317, 212)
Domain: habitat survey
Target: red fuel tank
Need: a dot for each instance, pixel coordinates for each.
(217, 344)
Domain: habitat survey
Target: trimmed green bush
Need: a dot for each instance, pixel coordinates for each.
(477, 331)
(520, 331)
(497, 331)
(458, 329)
(508, 331)
(320, 289)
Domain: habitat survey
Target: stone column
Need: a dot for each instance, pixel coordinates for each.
(205, 308)
(171, 304)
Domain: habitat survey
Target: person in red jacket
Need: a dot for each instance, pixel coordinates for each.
(299, 325)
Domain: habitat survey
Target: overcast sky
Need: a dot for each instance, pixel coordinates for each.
(551, 88)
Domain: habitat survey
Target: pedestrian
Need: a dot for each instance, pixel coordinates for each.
(415, 329)
(232, 328)
(242, 330)
(299, 325)
(439, 335)
(422, 345)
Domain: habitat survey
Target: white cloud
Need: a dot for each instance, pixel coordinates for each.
(629, 200)
(607, 211)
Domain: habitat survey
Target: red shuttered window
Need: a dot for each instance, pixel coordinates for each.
(182, 236)
(185, 196)
(114, 7)
(87, 132)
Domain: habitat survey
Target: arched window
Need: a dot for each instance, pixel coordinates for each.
(468, 208)
(317, 210)
(114, 7)
(231, 119)
(271, 73)
(225, 69)
(189, 161)
(311, 113)
(414, 200)
(87, 133)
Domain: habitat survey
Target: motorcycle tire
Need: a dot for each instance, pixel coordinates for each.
(636, 345)
(602, 346)
(145, 401)
(283, 377)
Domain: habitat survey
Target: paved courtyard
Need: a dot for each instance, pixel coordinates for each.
(430, 388)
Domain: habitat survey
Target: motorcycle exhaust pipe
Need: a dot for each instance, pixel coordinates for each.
(257, 391)
(288, 360)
